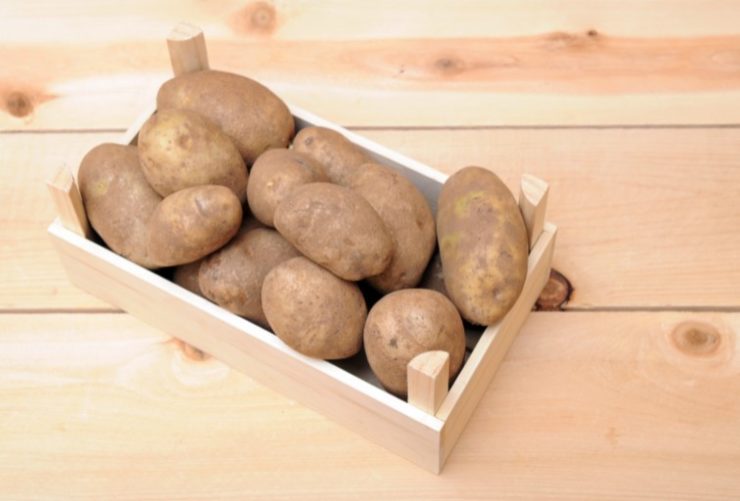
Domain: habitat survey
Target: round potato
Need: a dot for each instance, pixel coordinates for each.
(192, 223)
(180, 149)
(186, 276)
(336, 228)
(232, 277)
(340, 157)
(275, 174)
(247, 111)
(406, 323)
(313, 311)
(118, 200)
(407, 215)
(483, 244)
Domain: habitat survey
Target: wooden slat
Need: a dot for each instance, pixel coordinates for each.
(585, 406)
(381, 63)
(648, 218)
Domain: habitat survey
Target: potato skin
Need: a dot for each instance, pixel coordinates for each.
(483, 244)
(232, 276)
(336, 228)
(192, 223)
(407, 215)
(340, 157)
(118, 200)
(275, 174)
(247, 111)
(313, 311)
(180, 149)
(186, 276)
(406, 323)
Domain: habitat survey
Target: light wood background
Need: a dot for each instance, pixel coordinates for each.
(631, 109)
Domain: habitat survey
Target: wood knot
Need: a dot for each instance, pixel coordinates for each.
(257, 18)
(18, 104)
(696, 338)
(556, 293)
(561, 40)
(449, 65)
(191, 352)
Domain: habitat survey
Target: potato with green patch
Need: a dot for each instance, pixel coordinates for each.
(118, 200)
(336, 228)
(192, 223)
(247, 111)
(313, 311)
(340, 157)
(406, 214)
(406, 323)
(232, 277)
(180, 149)
(483, 244)
(274, 175)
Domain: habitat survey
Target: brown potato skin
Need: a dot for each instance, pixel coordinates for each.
(186, 276)
(192, 223)
(247, 111)
(336, 228)
(118, 200)
(407, 215)
(483, 244)
(232, 276)
(340, 157)
(180, 149)
(406, 323)
(275, 174)
(313, 311)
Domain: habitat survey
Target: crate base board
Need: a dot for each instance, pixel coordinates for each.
(424, 439)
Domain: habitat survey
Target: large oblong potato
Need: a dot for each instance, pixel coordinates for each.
(232, 276)
(192, 223)
(483, 244)
(275, 174)
(340, 157)
(247, 111)
(406, 323)
(407, 215)
(118, 200)
(313, 311)
(336, 228)
(180, 149)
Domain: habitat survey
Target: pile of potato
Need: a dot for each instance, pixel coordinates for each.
(324, 216)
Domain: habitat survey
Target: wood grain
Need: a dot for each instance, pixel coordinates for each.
(648, 217)
(644, 405)
(462, 63)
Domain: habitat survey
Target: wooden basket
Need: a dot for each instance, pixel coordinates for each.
(424, 429)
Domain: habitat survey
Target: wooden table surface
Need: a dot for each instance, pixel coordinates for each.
(631, 110)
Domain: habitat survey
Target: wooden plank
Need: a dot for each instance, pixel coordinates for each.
(68, 202)
(479, 63)
(104, 407)
(30, 271)
(647, 216)
(352, 402)
(428, 377)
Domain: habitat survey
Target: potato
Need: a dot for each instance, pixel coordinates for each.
(118, 200)
(406, 323)
(336, 228)
(407, 215)
(483, 244)
(232, 276)
(192, 223)
(248, 112)
(180, 149)
(313, 311)
(340, 157)
(186, 276)
(275, 174)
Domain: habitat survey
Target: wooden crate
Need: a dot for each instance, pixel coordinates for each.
(424, 429)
